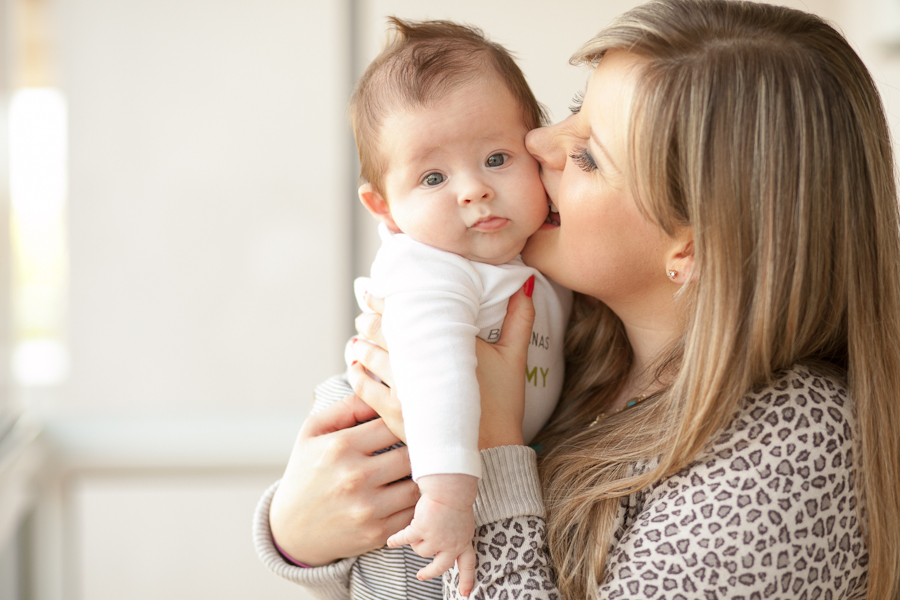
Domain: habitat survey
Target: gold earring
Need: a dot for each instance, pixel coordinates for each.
(672, 274)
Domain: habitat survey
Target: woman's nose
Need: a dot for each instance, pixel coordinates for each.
(545, 145)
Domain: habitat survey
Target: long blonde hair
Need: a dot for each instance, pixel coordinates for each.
(759, 128)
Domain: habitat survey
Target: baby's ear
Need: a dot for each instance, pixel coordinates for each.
(375, 203)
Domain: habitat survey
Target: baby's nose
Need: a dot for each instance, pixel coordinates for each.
(475, 190)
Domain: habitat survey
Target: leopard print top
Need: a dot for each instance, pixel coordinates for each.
(769, 511)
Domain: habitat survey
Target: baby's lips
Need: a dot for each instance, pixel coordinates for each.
(491, 223)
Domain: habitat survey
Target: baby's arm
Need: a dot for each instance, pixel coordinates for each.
(443, 526)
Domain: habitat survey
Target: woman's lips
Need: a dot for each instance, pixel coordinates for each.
(553, 215)
(548, 225)
(490, 224)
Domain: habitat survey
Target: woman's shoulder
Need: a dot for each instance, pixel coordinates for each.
(769, 508)
(795, 435)
(802, 409)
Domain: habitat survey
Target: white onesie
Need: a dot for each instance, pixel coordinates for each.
(436, 303)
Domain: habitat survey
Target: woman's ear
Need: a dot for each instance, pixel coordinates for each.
(680, 262)
(376, 204)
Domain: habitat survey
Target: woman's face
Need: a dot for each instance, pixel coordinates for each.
(602, 245)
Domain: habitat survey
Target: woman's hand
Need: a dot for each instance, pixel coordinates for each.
(337, 499)
(378, 395)
(501, 372)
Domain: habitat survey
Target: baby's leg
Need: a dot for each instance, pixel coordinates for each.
(443, 526)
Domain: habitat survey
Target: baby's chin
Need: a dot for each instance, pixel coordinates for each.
(497, 256)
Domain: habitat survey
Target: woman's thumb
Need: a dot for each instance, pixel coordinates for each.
(516, 332)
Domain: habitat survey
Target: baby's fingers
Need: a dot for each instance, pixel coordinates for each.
(403, 537)
(441, 563)
(466, 564)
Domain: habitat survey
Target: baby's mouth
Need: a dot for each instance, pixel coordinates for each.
(553, 215)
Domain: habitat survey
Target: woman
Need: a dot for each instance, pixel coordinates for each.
(728, 217)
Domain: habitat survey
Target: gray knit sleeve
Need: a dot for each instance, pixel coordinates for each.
(330, 582)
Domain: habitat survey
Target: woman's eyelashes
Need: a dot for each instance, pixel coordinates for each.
(577, 99)
(584, 160)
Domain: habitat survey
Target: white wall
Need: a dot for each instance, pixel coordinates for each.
(209, 268)
(212, 213)
(208, 195)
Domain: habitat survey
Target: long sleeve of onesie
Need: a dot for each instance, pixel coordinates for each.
(436, 303)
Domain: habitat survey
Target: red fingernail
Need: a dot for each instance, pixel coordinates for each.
(354, 362)
(353, 340)
(529, 286)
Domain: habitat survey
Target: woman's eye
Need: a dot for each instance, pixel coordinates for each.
(575, 107)
(584, 160)
(495, 160)
(434, 179)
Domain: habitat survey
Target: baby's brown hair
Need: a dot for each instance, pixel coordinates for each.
(422, 62)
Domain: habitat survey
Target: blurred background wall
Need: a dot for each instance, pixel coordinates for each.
(187, 281)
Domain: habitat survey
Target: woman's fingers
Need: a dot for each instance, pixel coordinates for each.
(343, 414)
(388, 467)
(369, 326)
(501, 375)
(377, 395)
(375, 359)
(397, 499)
(376, 304)
(396, 468)
(371, 437)
(516, 333)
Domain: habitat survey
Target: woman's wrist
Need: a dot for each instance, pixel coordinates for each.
(288, 557)
(280, 522)
(500, 440)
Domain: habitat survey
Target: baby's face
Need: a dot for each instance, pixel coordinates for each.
(459, 177)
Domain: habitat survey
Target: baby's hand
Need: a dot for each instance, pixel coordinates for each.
(443, 526)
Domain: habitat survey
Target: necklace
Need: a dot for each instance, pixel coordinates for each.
(630, 404)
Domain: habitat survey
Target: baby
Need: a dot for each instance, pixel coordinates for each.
(440, 118)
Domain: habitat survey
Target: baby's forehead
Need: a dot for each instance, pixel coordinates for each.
(506, 102)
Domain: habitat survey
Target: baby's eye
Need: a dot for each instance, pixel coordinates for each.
(433, 179)
(495, 160)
